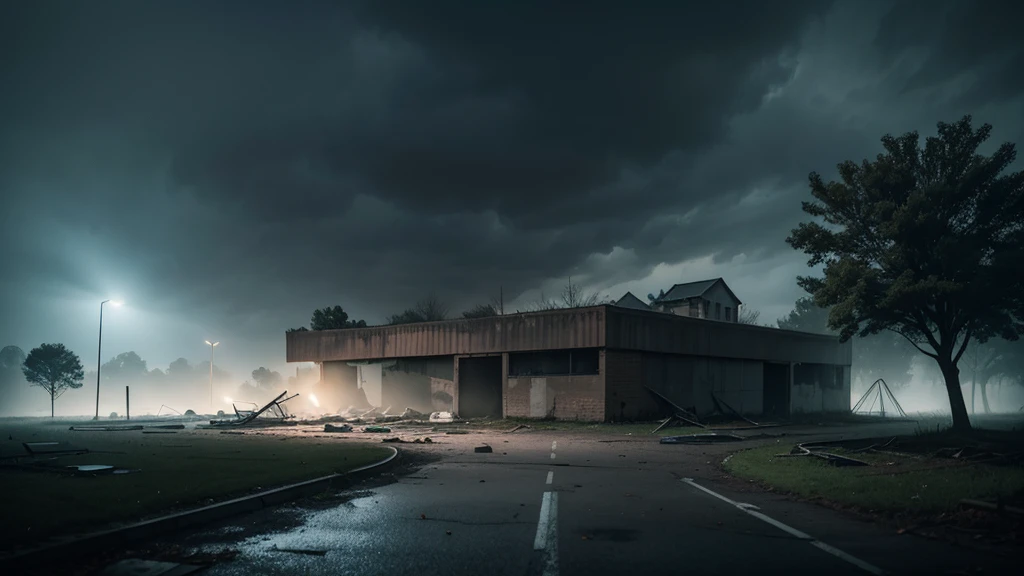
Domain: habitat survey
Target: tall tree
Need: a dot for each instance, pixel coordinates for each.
(53, 368)
(481, 311)
(925, 242)
(11, 378)
(332, 318)
(806, 316)
(997, 358)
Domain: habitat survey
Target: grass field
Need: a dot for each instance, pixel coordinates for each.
(172, 472)
(892, 483)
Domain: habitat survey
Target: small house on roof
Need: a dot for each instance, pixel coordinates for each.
(628, 300)
(710, 299)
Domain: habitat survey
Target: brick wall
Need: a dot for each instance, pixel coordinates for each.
(560, 397)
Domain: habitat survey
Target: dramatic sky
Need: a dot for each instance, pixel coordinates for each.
(227, 167)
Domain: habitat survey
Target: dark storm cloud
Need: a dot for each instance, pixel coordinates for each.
(240, 163)
(957, 37)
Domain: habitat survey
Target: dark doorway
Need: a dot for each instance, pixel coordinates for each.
(776, 390)
(480, 387)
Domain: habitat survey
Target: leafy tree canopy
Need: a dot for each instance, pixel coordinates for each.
(266, 379)
(333, 318)
(53, 368)
(925, 242)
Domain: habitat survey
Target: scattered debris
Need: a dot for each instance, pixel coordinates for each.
(519, 427)
(232, 432)
(94, 468)
(485, 449)
(376, 429)
(166, 427)
(397, 440)
(710, 438)
(411, 414)
(442, 417)
(246, 418)
(448, 532)
(457, 432)
(678, 410)
(308, 552)
(992, 507)
(719, 402)
(104, 428)
(814, 449)
(675, 417)
(138, 567)
(333, 428)
(52, 448)
(159, 432)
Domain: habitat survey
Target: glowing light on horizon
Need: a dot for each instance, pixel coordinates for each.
(312, 398)
(229, 400)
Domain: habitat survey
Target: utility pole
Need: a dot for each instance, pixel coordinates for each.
(212, 346)
(99, 357)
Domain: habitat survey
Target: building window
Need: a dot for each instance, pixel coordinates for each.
(554, 363)
(718, 310)
(728, 314)
(705, 314)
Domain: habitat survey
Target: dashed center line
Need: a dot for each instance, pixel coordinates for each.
(554, 444)
(752, 510)
(551, 476)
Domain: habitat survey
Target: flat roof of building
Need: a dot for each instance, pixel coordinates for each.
(605, 326)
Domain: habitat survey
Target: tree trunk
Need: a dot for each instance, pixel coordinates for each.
(957, 406)
(984, 395)
(51, 405)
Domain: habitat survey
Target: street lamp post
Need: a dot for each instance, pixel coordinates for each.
(212, 346)
(99, 356)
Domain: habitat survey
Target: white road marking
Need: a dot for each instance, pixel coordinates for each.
(752, 510)
(547, 533)
(554, 444)
(541, 540)
(551, 476)
(552, 455)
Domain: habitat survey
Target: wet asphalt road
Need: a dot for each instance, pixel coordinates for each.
(630, 507)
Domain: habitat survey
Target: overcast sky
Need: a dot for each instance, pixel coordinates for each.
(227, 167)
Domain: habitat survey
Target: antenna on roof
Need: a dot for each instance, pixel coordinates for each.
(651, 297)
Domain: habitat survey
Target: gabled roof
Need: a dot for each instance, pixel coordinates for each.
(694, 290)
(628, 300)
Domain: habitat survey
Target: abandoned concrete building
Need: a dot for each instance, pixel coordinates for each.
(593, 364)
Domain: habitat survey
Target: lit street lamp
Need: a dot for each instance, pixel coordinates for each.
(212, 346)
(99, 356)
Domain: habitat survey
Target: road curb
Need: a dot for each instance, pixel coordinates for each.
(119, 538)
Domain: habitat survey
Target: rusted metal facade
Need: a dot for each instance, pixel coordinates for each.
(550, 330)
(629, 329)
(608, 327)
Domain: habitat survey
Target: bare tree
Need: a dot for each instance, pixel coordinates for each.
(749, 316)
(429, 309)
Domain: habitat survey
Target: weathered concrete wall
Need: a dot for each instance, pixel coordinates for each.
(688, 381)
(625, 396)
(424, 384)
(820, 388)
(560, 397)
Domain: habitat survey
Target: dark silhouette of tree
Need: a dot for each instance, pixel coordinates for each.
(333, 318)
(299, 329)
(53, 368)
(266, 379)
(572, 296)
(127, 365)
(749, 316)
(996, 358)
(925, 242)
(179, 370)
(481, 311)
(806, 316)
(429, 309)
